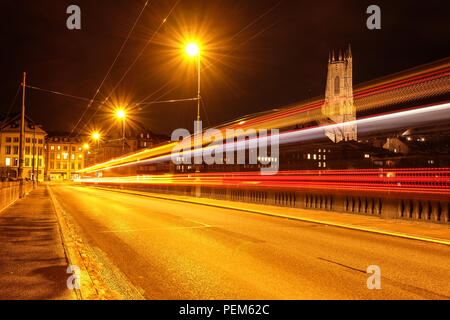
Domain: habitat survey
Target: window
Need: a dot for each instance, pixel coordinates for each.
(40, 141)
(16, 140)
(40, 162)
(27, 162)
(65, 148)
(16, 162)
(59, 148)
(16, 150)
(65, 156)
(52, 165)
(8, 139)
(8, 150)
(73, 149)
(40, 151)
(28, 140)
(57, 165)
(73, 166)
(73, 157)
(58, 156)
(52, 148)
(27, 150)
(337, 85)
(79, 149)
(8, 162)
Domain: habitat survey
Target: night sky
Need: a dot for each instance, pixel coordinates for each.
(257, 54)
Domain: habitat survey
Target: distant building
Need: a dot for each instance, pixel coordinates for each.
(64, 156)
(33, 148)
(136, 138)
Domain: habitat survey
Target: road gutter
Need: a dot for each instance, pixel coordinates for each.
(278, 215)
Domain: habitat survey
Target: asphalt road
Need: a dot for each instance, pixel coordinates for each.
(175, 250)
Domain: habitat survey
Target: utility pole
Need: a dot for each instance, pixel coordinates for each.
(21, 139)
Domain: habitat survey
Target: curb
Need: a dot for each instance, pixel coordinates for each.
(73, 256)
(273, 214)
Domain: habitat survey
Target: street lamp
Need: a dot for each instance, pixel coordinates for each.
(96, 137)
(121, 115)
(193, 50)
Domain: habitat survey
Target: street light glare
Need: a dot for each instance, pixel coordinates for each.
(120, 114)
(192, 49)
(86, 146)
(96, 136)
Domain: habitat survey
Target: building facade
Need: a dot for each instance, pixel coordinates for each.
(64, 156)
(34, 142)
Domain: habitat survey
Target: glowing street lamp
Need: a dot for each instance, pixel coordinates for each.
(193, 50)
(96, 137)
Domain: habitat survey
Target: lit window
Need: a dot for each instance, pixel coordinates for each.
(52, 148)
(65, 155)
(73, 157)
(8, 162)
(58, 156)
(315, 156)
(320, 164)
(309, 156)
(324, 164)
(59, 148)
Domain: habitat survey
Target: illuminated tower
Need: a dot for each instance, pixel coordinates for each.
(338, 106)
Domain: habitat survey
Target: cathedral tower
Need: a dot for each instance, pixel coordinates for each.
(338, 106)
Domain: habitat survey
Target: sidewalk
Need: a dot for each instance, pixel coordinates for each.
(32, 259)
(417, 230)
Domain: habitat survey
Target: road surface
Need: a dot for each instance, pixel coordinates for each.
(176, 250)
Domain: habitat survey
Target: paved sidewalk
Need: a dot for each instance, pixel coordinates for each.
(32, 259)
(432, 232)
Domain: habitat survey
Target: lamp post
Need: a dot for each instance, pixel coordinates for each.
(121, 115)
(96, 137)
(193, 50)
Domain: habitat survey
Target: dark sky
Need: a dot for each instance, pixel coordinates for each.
(264, 54)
